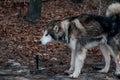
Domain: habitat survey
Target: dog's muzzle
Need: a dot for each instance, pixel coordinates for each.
(40, 42)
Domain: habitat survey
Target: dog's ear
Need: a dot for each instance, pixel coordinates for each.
(56, 28)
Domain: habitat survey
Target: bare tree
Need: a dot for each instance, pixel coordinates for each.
(34, 11)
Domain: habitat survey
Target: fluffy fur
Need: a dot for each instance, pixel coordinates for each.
(113, 9)
(84, 32)
(113, 12)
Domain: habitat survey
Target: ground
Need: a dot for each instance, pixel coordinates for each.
(19, 43)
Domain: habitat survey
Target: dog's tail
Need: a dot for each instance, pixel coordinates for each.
(113, 11)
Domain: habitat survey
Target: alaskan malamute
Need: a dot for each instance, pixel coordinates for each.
(84, 32)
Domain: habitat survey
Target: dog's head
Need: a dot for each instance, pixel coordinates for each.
(52, 30)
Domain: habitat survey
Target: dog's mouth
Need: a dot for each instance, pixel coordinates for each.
(44, 41)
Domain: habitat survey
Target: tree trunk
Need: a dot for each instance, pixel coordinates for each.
(77, 1)
(34, 11)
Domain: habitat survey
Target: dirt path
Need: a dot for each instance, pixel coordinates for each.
(12, 70)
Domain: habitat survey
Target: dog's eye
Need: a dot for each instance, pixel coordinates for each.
(46, 34)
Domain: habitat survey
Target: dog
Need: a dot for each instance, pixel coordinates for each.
(113, 44)
(84, 32)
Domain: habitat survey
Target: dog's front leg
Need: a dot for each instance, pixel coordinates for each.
(72, 45)
(72, 63)
(79, 61)
(106, 55)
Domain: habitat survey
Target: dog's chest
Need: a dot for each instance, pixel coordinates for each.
(72, 43)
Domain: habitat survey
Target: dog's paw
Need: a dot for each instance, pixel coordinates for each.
(117, 73)
(73, 76)
(103, 71)
(68, 72)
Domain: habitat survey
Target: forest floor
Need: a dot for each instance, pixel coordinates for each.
(19, 43)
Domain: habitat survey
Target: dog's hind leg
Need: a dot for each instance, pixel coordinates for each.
(113, 54)
(106, 55)
(79, 61)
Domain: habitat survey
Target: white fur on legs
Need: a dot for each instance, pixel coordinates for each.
(73, 55)
(72, 63)
(106, 55)
(117, 72)
(79, 61)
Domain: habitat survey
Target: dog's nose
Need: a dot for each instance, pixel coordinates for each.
(40, 42)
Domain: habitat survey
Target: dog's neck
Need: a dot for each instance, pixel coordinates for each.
(65, 26)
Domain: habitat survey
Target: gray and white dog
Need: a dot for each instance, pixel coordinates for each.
(84, 32)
